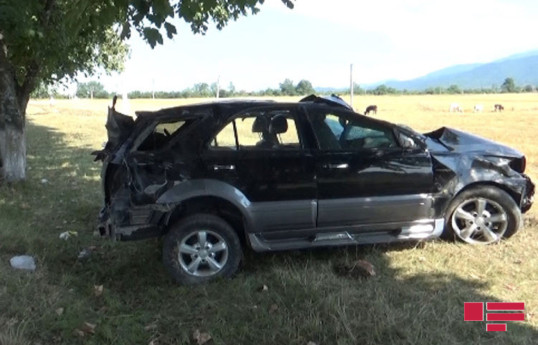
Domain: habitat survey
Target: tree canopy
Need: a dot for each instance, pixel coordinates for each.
(304, 87)
(508, 85)
(91, 89)
(287, 87)
(50, 39)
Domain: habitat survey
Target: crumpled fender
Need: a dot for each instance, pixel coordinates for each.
(457, 171)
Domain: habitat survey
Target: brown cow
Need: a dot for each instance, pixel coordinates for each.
(371, 109)
(499, 107)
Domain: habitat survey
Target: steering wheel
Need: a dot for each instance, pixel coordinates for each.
(166, 132)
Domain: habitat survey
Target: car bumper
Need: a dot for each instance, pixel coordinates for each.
(528, 196)
(131, 223)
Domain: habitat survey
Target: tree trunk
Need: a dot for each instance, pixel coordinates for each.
(12, 123)
(13, 153)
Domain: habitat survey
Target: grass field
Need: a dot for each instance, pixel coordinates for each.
(416, 296)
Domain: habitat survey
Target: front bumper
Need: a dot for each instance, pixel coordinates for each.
(528, 196)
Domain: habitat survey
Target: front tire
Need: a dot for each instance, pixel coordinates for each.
(201, 248)
(482, 215)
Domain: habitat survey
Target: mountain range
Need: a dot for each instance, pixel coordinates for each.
(522, 67)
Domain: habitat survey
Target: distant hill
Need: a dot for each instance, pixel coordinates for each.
(522, 67)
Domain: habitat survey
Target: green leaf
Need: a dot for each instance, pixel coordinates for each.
(170, 30)
(152, 36)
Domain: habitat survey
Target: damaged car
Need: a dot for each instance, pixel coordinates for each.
(213, 179)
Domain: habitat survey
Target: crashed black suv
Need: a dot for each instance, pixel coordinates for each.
(215, 178)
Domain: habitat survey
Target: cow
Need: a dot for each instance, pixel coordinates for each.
(371, 109)
(478, 108)
(455, 108)
(498, 107)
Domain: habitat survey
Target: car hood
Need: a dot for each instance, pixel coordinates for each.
(453, 140)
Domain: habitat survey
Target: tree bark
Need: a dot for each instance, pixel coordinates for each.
(12, 124)
(13, 153)
(14, 99)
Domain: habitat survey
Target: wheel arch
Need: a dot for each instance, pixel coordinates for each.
(211, 204)
(513, 194)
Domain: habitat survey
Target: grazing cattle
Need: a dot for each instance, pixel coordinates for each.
(499, 107)
(478, 108)
(456, 108)
(371, 109)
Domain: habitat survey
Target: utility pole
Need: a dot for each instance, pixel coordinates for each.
(351, 84)
(218, 86)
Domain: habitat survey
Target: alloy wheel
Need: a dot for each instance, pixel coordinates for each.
(479, 221)
(202, 253)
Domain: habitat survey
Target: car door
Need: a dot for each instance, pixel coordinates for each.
(364, 175)
(261, 153)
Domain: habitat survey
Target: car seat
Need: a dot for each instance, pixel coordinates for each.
(261, 125)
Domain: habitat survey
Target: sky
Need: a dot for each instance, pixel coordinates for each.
(383, 39)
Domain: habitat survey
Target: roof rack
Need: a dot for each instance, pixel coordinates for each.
(331, 100)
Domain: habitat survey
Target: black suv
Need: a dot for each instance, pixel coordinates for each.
(212, 178)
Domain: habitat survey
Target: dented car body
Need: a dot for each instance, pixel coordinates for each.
(298, 175)
(472, 160)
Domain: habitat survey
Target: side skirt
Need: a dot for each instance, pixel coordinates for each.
(351, 235)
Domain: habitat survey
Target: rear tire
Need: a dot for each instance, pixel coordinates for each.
(482, 215)
(201, 248)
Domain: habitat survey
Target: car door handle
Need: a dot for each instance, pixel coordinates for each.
(336, 166)
(223, 167)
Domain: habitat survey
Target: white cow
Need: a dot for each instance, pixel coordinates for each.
(478, 108)
(456, 108)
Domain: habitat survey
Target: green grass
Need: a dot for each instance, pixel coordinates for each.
(416, 296)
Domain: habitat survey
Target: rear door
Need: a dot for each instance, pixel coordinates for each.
(364, 176)
(262, 154)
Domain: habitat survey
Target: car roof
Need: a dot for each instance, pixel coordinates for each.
(188, 108)
(329, 100)
(225, 107)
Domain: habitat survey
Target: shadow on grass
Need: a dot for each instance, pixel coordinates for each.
(61, 193)
(305, 299)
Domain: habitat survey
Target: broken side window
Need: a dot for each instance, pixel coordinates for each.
(161, 135)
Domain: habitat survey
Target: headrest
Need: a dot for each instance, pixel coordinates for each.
(260, 124)
(279, 124)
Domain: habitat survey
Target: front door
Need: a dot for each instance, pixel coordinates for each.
(364, 176)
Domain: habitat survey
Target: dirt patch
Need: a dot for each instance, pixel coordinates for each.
(530, 222)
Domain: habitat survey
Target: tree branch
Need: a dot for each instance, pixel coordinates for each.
(45, 18)
(23, 91)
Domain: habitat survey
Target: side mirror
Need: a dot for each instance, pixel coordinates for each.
(408, 143)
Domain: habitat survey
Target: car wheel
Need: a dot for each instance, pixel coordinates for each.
(483, 215)
(201, 248)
